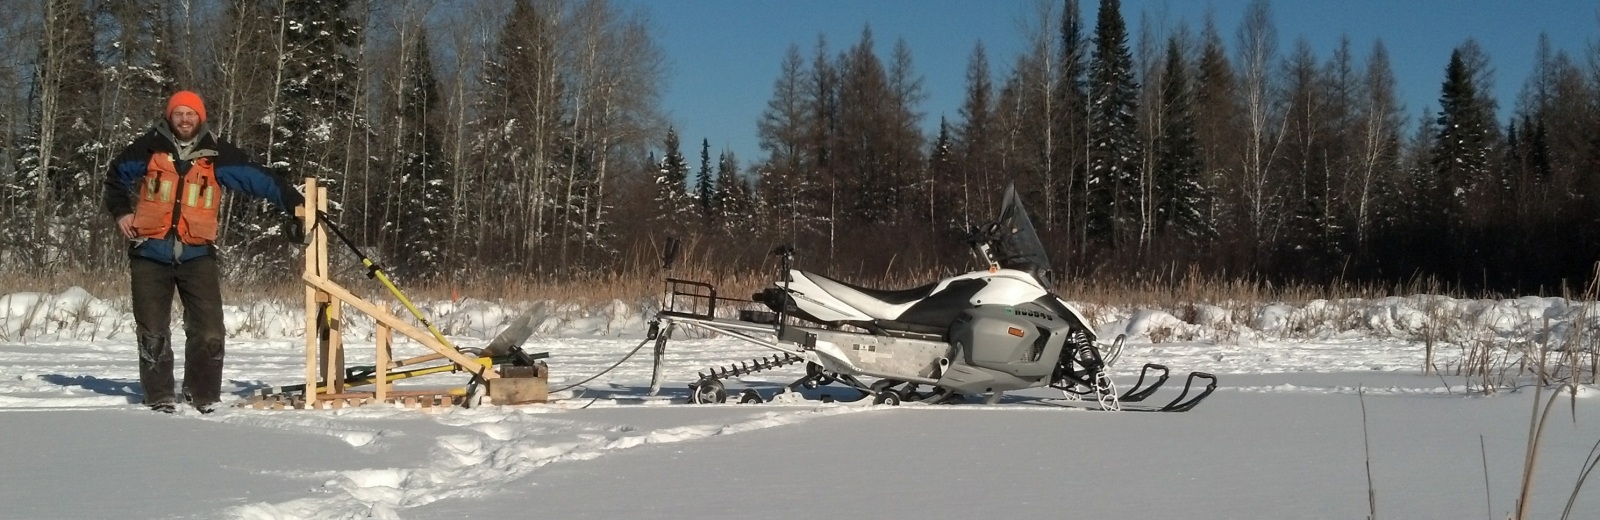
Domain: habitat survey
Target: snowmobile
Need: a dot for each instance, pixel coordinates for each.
(990, 331)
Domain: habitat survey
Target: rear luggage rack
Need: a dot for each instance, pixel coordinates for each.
(699, 304)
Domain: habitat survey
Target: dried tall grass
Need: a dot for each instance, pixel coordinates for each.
(641, 275)
(101, 284)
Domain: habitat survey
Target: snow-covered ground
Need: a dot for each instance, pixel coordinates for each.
(1286, 435)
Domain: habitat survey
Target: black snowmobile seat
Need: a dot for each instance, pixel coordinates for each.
(916, 309)
(871, 301)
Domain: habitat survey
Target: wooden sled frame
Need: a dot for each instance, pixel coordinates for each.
(325, 371)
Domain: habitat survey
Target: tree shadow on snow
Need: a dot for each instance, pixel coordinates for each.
(117, 387)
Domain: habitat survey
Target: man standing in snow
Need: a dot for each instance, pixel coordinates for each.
(165, 190)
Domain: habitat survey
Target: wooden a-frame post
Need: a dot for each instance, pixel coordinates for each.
(325, 301)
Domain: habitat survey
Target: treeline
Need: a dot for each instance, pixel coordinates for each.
(1178, 152)
(524, 138)
(475, 137)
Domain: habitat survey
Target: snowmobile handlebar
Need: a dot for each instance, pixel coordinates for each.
(985, 234)
(786, 253)
(982, 240)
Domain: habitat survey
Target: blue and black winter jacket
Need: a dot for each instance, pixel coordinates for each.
(234, 172)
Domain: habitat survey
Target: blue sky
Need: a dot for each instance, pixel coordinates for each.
(723, 55)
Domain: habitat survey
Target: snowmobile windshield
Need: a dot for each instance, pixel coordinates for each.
(1016, 243)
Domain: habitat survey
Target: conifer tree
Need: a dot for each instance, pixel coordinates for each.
(52, 175)
(317, 89)
(974, 142)
(1113, 180)
(864, 135)
(419, 195)
(902, 126)
(139, 68)
(824, 165)
(732, 193)
(309, 119)
(940, 210)
(1180, 196)
(1461, 148)
(1557, 97)
(784, 131)
(672, 196)
(705, 188)
(1513, 166)
(1064, 201)
(1218, 123)
(1420, 182)
(1305, 156)
(1539, 162)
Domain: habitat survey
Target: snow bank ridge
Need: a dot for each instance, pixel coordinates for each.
(74, 314)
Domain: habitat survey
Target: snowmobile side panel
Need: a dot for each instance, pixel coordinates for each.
(1022, 341)
(882, 356)
(1008, 287)
(1066, 312)
(941, 309)
(966, 379)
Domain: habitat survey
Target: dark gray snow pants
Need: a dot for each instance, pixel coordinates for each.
(199, 287)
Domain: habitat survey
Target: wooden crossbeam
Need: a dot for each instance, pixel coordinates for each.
(398, 325)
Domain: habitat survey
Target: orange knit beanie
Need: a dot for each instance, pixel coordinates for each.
(189, 99)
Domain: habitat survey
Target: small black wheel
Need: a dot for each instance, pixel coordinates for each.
(750, 397)
(708, 392)
(888, 397)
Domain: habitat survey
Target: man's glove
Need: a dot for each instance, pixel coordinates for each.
(294, 230)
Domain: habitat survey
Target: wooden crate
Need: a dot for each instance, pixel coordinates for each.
(521, 385)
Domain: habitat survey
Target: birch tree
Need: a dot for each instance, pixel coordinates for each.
(1378, 142)
(1260, 189)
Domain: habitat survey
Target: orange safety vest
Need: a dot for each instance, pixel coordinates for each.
(190, 203)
